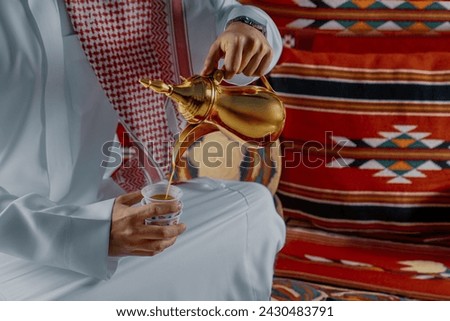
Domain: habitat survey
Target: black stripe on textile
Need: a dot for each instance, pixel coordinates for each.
(442, 164)
(367, 213)
(360, 90)
(320, 4)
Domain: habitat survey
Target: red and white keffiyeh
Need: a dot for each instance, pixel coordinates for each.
(125, 41)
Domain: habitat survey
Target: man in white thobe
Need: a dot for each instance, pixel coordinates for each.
(58, 211)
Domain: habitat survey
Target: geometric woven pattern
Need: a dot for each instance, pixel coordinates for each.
(287, 289)
(357, 16)
(366, 174)
(366, 143)
(353, 17)
(409, 270)
(397, 171)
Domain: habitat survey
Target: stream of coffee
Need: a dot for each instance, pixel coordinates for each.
(172, 173)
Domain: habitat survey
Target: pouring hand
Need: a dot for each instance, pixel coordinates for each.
(244, 49)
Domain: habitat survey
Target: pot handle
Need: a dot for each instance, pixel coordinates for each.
(189, 136)
(266, 83)
(218, 76)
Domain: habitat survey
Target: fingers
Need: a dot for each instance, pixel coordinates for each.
(212, 60)
(263, 65)
(156, 232)
(147, 251)
(257, 56)
(145, 239)
(233, 58)
(139, 214)
(258, 64)
(243, 49)
(152, 239)
(249, 62)
(152, 246)
(130, 236)
(144, 253)
(130, 198)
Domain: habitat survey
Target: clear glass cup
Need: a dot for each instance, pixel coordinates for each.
(156, 193)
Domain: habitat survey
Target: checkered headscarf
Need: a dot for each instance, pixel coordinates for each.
(125, 41)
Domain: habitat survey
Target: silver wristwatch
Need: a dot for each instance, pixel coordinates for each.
(249, 21)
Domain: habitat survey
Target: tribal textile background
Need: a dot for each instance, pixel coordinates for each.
(364, 269)
(365, 185)
(367, 143)
(342, 25)
(352, 17)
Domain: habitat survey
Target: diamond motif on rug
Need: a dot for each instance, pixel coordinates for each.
(398, 171)
(353, 21)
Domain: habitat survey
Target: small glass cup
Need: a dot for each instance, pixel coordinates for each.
(156, 193)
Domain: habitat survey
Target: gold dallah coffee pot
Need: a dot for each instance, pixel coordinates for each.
(253, 115)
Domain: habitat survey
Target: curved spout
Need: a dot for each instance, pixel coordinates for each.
(157, 85)
(193, 96)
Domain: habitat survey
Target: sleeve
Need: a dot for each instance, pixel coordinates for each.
(65, 236)
(229, 9)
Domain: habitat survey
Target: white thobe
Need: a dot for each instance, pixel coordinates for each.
(55, 204)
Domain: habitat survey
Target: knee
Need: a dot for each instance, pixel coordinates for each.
(257, 194)
(266, 233)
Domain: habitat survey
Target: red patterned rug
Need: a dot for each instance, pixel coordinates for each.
(317, 265)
